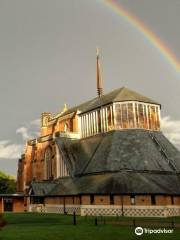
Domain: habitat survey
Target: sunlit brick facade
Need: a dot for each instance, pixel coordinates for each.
(71, 135)
(106, 156)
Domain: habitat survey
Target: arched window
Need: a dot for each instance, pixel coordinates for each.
(48, 163)
(66, 127)
(61, 168)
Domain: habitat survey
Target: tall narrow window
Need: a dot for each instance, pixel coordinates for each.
(118, 116)
(130, 115)
(85, 126)
(137, 115)
(109, 118)
(146, 117)
(105, 120)
(124, 116)
(153, 118)
(62, 167)
(82, 126)
(99, 120)
(158, 118)
(48, 163)
(94, 122)
(66, 127)
(141, 116)
(149, 117)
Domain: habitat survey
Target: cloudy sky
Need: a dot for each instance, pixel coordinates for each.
(47, 58)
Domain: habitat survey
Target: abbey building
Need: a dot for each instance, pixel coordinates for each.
(106, 156)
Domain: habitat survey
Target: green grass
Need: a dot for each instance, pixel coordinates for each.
(32, 226)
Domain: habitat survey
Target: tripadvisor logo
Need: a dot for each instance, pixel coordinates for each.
(139, 231)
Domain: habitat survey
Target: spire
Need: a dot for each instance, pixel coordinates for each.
(99, 77)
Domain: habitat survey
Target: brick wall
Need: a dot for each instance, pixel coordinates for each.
(20, 176)
(75, 124)
(117, 200)
(85, 200)
(60, 200)
(1, 205)
(69, 200)
(54, 200)
(101, 200)
(142, 200)
(47, 130)
(177, 200)
(29, 154)
(126, 200)
(18, 205)
(160, 200)
(168, 200)
(105, 200)
(77, 200)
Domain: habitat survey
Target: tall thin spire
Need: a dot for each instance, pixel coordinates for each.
(99, 77)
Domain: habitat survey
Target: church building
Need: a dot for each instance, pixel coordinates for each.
(106, 156)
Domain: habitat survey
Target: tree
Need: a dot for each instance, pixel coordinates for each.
(7, 184)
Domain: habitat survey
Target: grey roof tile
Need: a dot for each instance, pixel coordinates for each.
(120, 161)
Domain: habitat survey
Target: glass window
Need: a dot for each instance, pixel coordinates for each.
(48, 163)
(118, 116)
(158, 118)
(104, 119)
(124, 116)
(109, 118)
(145, 117)
(141, 116)
(149, 117)
(99, 120)
(66, 127)
(136, 115)
(153, 118)
(130, 115)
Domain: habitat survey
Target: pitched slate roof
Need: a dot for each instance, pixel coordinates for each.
(124, 161)
(41, 188)
(118, 183)
(119, 95)
(133, 150)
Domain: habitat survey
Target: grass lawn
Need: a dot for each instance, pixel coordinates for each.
(33, 226)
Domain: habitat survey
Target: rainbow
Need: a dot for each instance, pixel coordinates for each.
(147, 33)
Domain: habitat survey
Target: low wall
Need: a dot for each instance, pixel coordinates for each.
(108, 210)
(51, 208)
(131, 211)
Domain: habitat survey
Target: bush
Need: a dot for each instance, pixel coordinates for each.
(3, 222)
